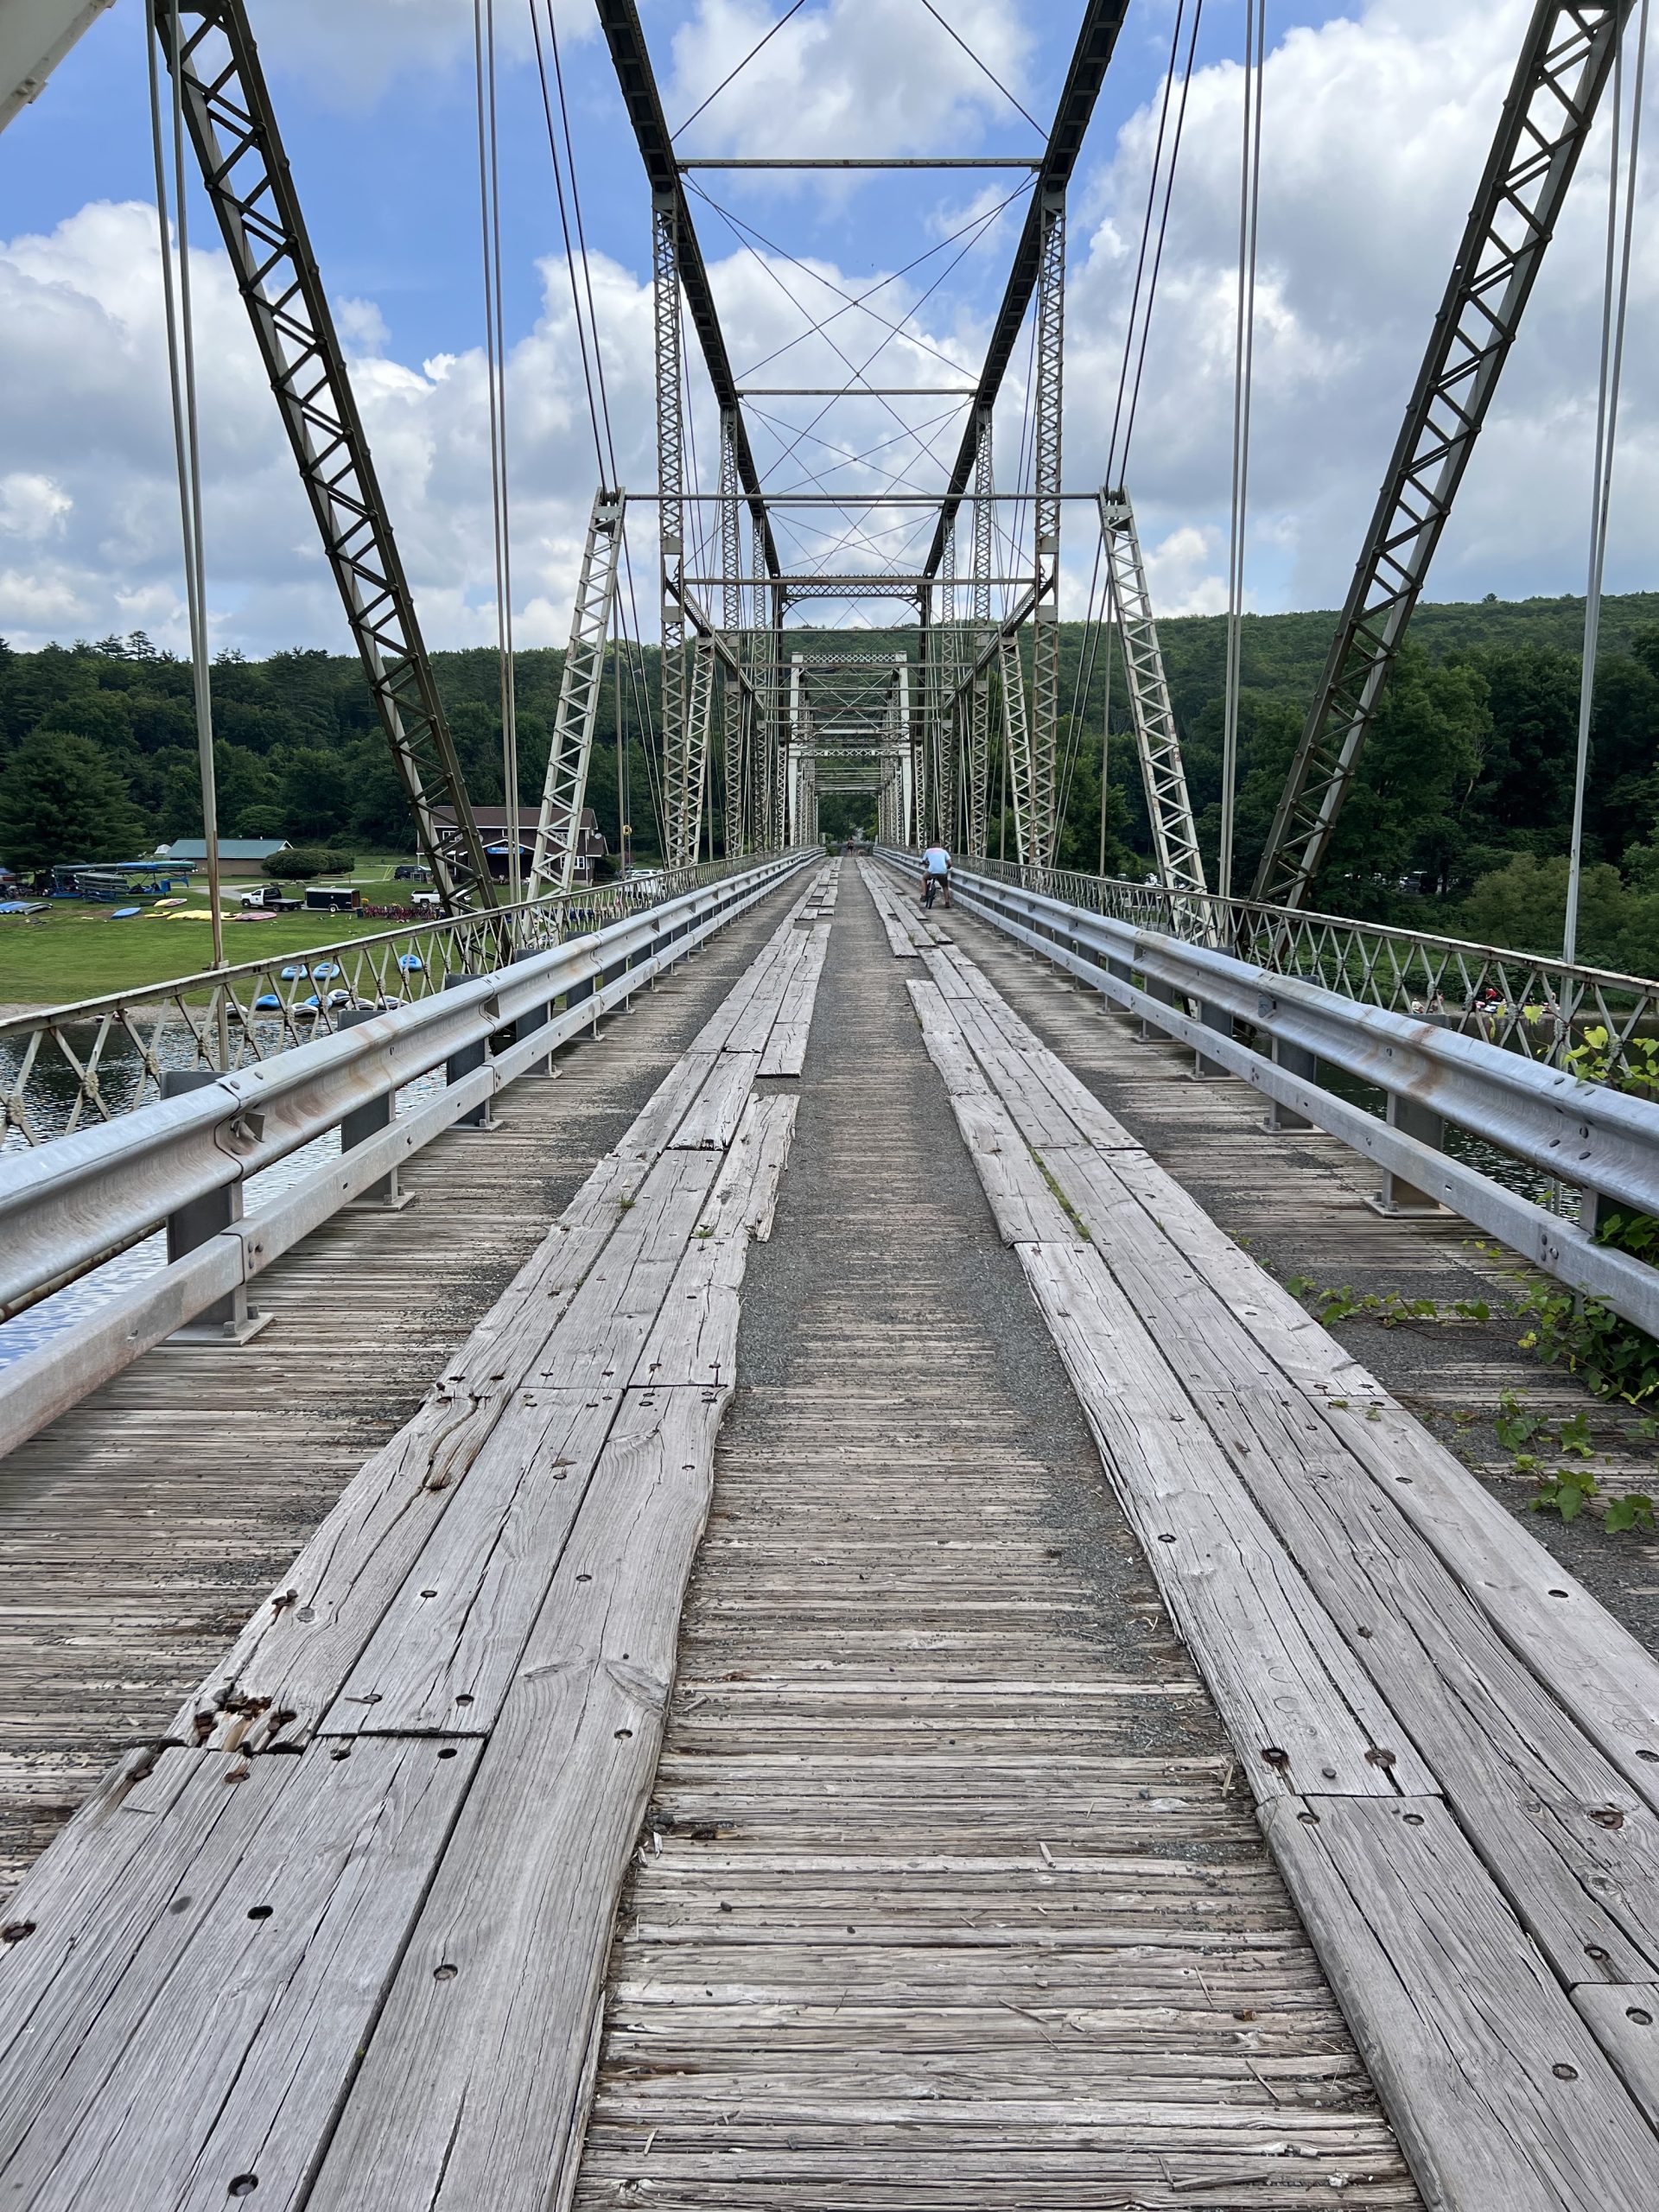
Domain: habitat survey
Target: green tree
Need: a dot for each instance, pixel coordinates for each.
(60, 800)
(1524, 905)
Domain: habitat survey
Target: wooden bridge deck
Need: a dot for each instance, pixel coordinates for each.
(949, 1883)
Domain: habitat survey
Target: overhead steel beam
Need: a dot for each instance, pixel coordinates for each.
(35, 36)
(1102, 21)
(619, 20)
(859, 162)
(228, 112)
(1565, 61)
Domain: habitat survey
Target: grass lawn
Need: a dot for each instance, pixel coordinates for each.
(76, 951)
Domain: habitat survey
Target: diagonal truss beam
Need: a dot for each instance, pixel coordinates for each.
(564, 791)
(232, 126)
(1564, 64)
(1102, 21)
(1163, 774)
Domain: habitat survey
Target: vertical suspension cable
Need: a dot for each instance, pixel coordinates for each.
(489, 203)
(1106, 724)
(1250, 190)
(1615, 301)
(187, 445)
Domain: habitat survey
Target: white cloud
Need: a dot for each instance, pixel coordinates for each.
(361, 325)
(32, 507)
(1186, 572)
(847, 78)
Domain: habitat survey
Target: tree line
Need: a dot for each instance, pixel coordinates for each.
(1458, 822)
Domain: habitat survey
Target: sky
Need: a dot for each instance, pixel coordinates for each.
(1377, 117)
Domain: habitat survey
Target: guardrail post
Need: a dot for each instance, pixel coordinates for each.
(1165, 994)
(388, 1195)
(1295, 1061)
(1397, 1196)
(229, 1320)
(537, 1018)
(1218, 1019)
(466, 1061)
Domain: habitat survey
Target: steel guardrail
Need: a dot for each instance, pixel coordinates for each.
(63, 1067)
(1586, 1134)
(1533, 1003)
(65, 1207)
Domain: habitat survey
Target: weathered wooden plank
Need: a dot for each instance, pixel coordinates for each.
(296, 1651)
(753, 1027)
(1023, 1202)
(785, 1050)
(1501, 2096)
(1299, 1708)
(1625, 2021)
(694, 1340)
(448, 1644)
(711, 1123)
(196, 2012)
(468, 2093)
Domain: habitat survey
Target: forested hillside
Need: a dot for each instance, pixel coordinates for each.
(1460, 821)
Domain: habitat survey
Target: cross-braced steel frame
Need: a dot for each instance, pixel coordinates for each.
(946, 691)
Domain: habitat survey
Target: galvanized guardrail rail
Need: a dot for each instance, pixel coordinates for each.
(1523, 1001)
(184, 1160)
(65, 1066)
(1247, 1018)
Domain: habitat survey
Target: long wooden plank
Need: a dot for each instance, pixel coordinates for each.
(711, 1122)
(1500, 2095)
(1023, 1205)
(470, 2093)
(694, 1340)
(447, 1647)
(186, 2035)
(753, 1025)
(1588, 1660)
(296, 1650)
(786, 1051)
(1300, 1710)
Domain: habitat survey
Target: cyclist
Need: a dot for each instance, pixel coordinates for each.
(936, 873)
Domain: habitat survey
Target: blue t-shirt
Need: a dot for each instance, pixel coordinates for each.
(936, 860)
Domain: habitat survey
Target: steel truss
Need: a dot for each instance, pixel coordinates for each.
(978, 779)
(766, 743)
(233, 125)
(1169, 810)
(681, 803)
(1565, 63)
(1034, 776)
(564, 789)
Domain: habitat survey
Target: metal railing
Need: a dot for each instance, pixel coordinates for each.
(64, 1067)
(185, 1160)
(1525, 1001)
(1276, 1030)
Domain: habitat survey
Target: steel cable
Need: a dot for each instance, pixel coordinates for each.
(1615, 302)
(1243, 380)
(489, 202)
(187, 446)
